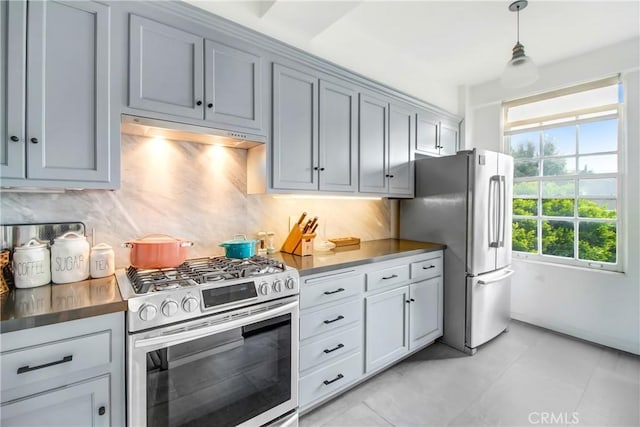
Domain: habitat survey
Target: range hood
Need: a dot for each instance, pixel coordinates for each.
(142, 126)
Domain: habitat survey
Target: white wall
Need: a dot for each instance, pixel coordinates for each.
(597, 306)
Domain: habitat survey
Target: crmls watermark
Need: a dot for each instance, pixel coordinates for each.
(543, 417)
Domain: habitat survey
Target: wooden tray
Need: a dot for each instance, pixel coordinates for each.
(345, 241)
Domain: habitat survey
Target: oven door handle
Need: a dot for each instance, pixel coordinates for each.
(181, 336)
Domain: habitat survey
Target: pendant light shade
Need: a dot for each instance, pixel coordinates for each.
(520, 71)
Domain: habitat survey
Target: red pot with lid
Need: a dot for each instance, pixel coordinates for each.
(158, 251)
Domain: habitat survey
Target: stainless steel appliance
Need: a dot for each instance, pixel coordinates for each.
(212, 342)
(464, 201)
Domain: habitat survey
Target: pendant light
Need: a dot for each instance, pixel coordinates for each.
(520, 71)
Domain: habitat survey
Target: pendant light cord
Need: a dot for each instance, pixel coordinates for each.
(518, 20)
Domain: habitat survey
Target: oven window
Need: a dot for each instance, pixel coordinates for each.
(223, 379)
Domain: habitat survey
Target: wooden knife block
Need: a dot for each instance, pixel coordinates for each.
(298, 243)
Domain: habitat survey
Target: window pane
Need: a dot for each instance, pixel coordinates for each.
(525, 235)
(525, 188)
(557, 238)
(558, 189)
(598, 164)
(597, 241)
(593, 208)
(559, 141)
(606, 187)
(555, 167)
(597, 137)
(527, 207)
(525, 168)
(557, 207)
(525, 145)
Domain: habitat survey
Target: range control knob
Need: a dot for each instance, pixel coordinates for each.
(265, 288)
(169, 308)
(147, 312)
(277, 285)
(290, 283)
(190, 304)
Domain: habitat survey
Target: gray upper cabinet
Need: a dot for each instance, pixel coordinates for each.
(449, 137)
(68, 140)
(338, 137)
(233, 86)
(295, 129)
(13, 24)
(401, 137)
(373, 175)
(166, 69)
(181, 74)
(435, 135)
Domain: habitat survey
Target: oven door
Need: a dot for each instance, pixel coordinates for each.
(235, 368)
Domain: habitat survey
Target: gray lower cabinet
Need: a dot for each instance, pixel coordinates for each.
(386, 147)
(435, 135)
(387, 327)
(347, 335)
(82, 404)
(175, 72)
(67, 374)
(58, 83)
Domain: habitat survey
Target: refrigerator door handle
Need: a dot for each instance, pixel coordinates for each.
(494, 187)
(508, 273)
(502, 200)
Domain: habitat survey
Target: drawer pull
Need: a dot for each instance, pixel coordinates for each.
(334, 292)
(24, 369)
(393, 276)
(339, 377)
(429, 268)
(338, 347)
(334, 320)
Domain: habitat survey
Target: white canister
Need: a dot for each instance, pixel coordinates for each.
(31, 265)
(102, 261)
(69, 258)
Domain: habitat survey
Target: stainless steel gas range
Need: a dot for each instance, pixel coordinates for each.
(212, 342)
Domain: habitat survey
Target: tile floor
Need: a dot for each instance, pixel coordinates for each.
(528, 376)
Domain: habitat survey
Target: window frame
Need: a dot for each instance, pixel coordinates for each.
(573, 118)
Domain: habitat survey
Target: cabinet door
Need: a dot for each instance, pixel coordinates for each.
(295, 129)
(233, 87)
(13, 27)
(425, 316)
(448, 138)
(427, 133)
(401, 137)
(165, 69)
(373, 145)
(338, 133)
(387, 317)
(82, 404)
(68, 92)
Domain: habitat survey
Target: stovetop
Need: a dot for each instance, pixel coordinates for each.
(200, 287)
(198, 271)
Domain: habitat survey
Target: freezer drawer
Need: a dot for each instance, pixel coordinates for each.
(489, 306)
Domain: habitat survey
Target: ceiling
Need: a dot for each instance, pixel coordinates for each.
(430, 48)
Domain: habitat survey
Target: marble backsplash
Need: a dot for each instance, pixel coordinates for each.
(193, 191)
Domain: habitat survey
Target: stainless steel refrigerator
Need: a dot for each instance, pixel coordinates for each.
(464, 201)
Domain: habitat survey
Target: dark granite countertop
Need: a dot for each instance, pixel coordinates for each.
(45, 305)
(351, 256)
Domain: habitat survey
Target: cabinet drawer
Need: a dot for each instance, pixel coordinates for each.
(330, 348)
(330, 318)
(427, 268)
(387, 277)
(329, 379)
(54, 359)
(331, 288)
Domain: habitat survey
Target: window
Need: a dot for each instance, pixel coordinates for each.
(566, 150)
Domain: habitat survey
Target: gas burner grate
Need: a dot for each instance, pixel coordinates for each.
(200, 271)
